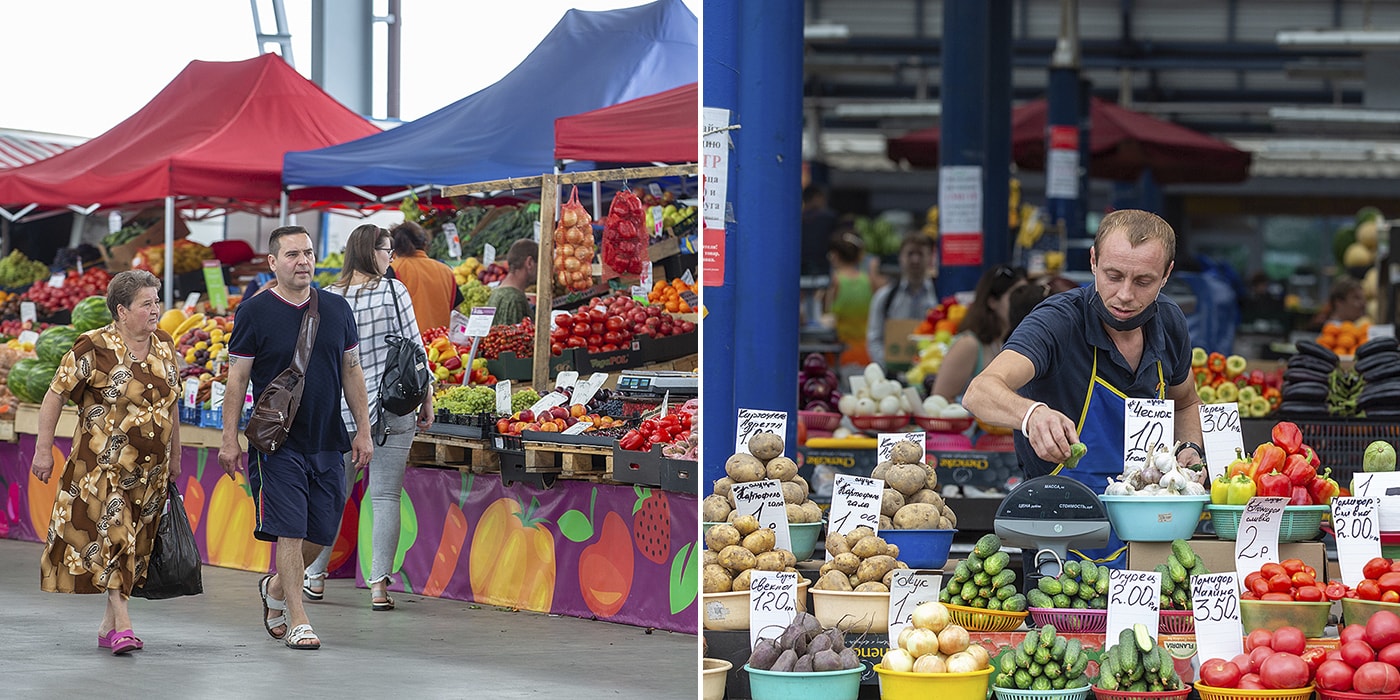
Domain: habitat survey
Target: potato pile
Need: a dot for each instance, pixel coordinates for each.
(736, 549)
(804, 647)
(911, 500)
(860, 561)
(765, 462)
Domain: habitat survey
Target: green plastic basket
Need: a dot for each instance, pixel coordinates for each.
(1300, 523)
(1066, 694)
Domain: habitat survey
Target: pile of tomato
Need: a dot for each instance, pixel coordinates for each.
(661, 430)
(1289, 580)
(1381, 582)
(518, 338)
(92, 282)
(595, 328)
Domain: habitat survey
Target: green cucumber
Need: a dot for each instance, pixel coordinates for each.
(1184, 554)
(987, 546)
(1072, 569)
(1049, 586)
(1041, 684)
(1069, 587)
(1016, 603)
(1007, 662)
(1039, 599)
(1143, 637)
(996, 563)
(1072, 651)
(1042, 655)
(982, 578)
(1023, 679)
(1002, 680)
(1057, 649)
(1003, 577)
(1047, 636)
(1101, 583)
(993, 603)
(1079, 604)
(1036, 670)
(1178, 572)
(1088, 573)
(1061, 600)
(1057, 683)
(1006, 592)
(962, 572)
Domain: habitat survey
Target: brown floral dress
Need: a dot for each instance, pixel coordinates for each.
(113, 486)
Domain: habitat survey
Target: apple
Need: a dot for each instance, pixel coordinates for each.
(525, 416)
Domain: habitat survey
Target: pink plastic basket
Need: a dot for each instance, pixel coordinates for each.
(877, 423)
(1176, 622)
(1083, 621)
(825, 421)
(943, 425)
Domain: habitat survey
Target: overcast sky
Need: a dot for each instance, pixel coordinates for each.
(80, 67)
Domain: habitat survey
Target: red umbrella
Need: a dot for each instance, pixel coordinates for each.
(1122, 144)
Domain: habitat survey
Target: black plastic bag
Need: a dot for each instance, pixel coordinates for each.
(174, 567)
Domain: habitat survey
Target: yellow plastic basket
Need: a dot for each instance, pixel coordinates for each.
(1210, 693)
(901, 685)
(982, 620)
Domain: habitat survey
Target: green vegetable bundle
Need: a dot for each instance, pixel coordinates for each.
(983, 581)
(1080, 586)
(1043, 661)
(1136, 664)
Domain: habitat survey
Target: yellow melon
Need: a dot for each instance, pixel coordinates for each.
(172, 320)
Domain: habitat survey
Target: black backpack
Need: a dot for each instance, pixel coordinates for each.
(406, 380)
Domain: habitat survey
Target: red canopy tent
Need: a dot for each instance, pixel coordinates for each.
(215, 136)
(657, 128)
(1122, 144)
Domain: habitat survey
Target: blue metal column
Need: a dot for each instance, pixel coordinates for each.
(996, 177)
(963, 127)
(766, 191)
(1063, 110)
(717, 411)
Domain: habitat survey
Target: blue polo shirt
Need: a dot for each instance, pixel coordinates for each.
(1059, 337)
(265, 330)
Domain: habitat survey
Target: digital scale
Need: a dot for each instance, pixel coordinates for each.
(642, 386)
(1052, 513)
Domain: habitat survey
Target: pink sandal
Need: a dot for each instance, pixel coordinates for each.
(119, 641)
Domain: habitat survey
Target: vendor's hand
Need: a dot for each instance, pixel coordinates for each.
(1050, 434)
(1189, 457)
(231, 455)
(361, 448)
(42, 465)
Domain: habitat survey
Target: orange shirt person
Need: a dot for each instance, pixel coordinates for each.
(430, 283)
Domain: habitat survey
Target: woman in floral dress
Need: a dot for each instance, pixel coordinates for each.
(123, 377)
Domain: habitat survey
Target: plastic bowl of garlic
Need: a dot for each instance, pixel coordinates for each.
(1163, 518)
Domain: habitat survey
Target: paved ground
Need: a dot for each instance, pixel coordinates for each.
(213, 646)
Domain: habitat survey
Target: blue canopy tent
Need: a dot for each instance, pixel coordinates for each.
(589, 60)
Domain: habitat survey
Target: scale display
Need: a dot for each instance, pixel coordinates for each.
(657, 383)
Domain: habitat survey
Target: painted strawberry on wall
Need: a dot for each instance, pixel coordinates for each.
(651, 524)
(606, 567)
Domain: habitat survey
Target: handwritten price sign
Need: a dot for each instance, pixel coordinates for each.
(1147, 424)
(1220, 431)
(764, 501)
(772, 603)
(1215, 600)
(1256, 542)
(886, 441)
(909, 588)
(1133, 597)
(1358, 528)
(753, 421)
(855, 501)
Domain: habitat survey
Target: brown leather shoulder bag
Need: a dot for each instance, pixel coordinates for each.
(276, 407)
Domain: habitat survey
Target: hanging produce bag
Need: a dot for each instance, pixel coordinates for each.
(625, 236)
(573, 247)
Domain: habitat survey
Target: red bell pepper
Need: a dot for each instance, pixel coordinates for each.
(1322, 488)
(1274, 396)
(1297, 469)
(1274, 484)
(1311, 454)
(1299, 496)
(1287, 435)
(1202, 376)
(1241, 380)
(1215, 362)
(1269, 457)
(1256, 378)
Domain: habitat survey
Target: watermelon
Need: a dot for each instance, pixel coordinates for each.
(38, 381)
(91, 313)
(54, 343)
(18, 379)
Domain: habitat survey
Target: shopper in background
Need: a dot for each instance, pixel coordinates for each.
(382, 307)
(509, 298)
(124, 378)
(848, 297)
(1345, 303)
(429, 282)
(909, 297)
(818, 226)
(1066, 371)
(984, 329)
(297, 488)
(1021, 301)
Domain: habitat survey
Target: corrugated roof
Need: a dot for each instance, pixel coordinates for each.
(18, 147)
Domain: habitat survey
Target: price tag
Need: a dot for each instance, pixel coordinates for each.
(887, 441)
(28, 337)
(688, 278)
(772, 603)
(488, 255)
(1220, 431)
(191, 303)
(536, 237)
(479, 324)
(554, 317)
(858, 384)
(1215, 601)
(216, 395)
(654, 189)
(56, 281)
(1356, 522)
(764, 501)
(27, 312)
(1133, 597)
(647, 280)
(1256, 543)
(80, 266)
(1380, 330)
(855, 501)
(549, 400)
(457, 328)
(1385, 486)
(566, 379)
(752, 421)
(666, 403)
(577, 428)
(658, 220)
(689, 297)
(114, 221)
(1147, 424)
(248, 399)
(908, 588)
(191, 390)
(503, 397)
(588, 388)
(454, 241)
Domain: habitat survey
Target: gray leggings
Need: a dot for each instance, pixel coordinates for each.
(386, 470)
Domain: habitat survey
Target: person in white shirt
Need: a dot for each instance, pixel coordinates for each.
(909, 297)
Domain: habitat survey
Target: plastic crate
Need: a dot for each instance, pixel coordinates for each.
(1176, 622)
(1210, 693)
(1340, 443)
(1067, 694)
(1083, 621)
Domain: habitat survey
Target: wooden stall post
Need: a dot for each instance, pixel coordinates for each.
(544, 282)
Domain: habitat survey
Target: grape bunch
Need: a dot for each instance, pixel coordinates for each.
(466, 400)
(17, 270)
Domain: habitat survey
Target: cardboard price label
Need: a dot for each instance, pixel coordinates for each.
(503, 397)
(1216, 607)
(855, 501)
(886, 442)
(584, 392)
(908, 588)
(1256, 542)
(772, 603)
(577, 428)
(57, 280)
(28, 337)
(1385, 486)
(753, 421)
(488, 255)
(191, 390)
(1220, 431)
(764, 501)
(1358, 528)
(566, 379)
(216, 395)
(1133, 597)
(27, 312)
(549, 400)
(1147, 424)
(479, 324)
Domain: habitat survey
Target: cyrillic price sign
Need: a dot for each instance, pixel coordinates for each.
(764, 501)
(772, 603)
(1133, 597)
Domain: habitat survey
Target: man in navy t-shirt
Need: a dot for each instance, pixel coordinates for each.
(297, 489)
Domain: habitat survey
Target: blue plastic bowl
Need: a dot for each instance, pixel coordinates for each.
(824, 685)
(1154, 518)
(921, 549)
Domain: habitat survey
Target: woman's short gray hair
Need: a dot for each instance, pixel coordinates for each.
(121, 291)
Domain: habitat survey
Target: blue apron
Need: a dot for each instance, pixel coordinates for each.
(1100, 428)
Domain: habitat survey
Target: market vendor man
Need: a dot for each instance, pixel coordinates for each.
(1065, 373)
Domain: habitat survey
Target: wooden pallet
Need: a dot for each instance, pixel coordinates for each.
(454, 452)
(583, 462)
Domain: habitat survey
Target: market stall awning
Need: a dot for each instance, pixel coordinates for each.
(216, 134)
(1122, 145)
(589, 60)
(19, 147)
(656, 128)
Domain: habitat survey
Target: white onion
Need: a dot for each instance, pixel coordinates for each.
(879, 390)
(931, 615)
(903, 641)
(865, 407)
(934, 403)
(874, 373)
(889, 406)
(978, 652)
(898, 660)
(846, 404)
(953, 639)
(953, 411)
(962, 662)
(930, 663)
(922, 641)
